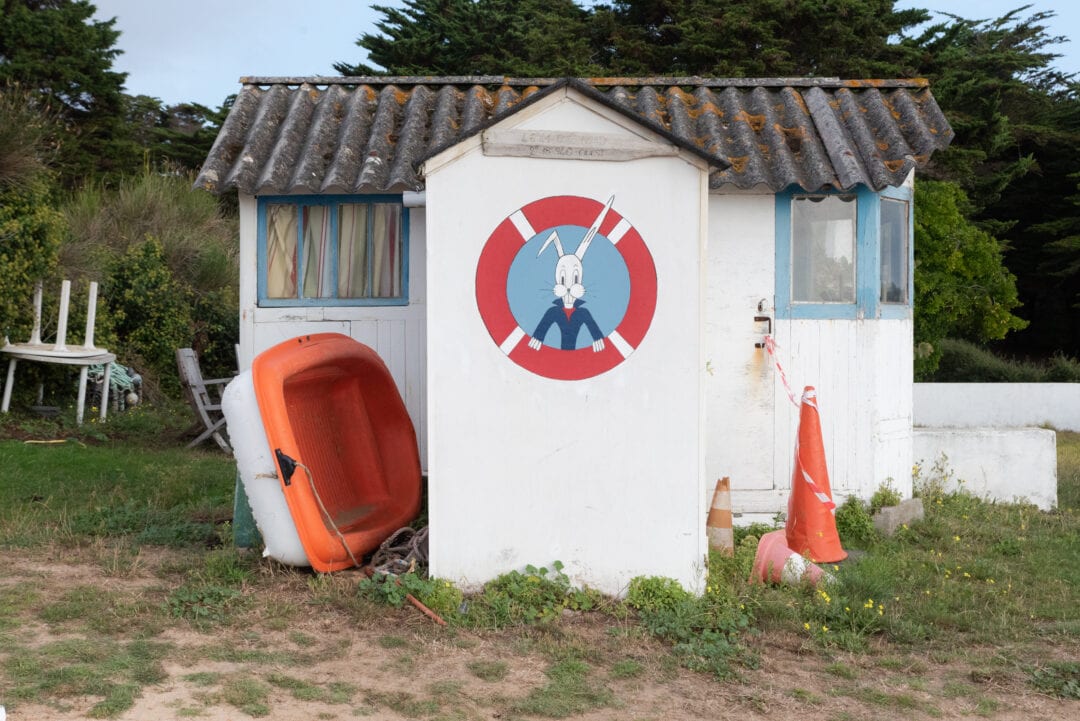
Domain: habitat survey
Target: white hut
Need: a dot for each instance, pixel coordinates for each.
(572, 282)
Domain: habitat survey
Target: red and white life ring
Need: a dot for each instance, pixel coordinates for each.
(498, 254)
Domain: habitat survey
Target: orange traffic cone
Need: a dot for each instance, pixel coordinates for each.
(811, 527)
(776, 563)
(718, 525)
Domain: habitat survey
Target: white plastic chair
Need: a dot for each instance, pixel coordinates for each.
(59, 352)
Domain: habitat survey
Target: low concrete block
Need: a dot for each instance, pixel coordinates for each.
(1004, 464)
(889, 519)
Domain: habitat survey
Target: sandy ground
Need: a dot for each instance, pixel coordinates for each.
(399, 665)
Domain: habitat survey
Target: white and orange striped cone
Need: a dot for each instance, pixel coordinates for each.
(718, 526)
(774, 562)
(811, 526)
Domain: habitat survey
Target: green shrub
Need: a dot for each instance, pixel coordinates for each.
(884, 496)
(30, 234)
(653, 593)
(854, 524)
(150, 311)
(538, 595)
(440, 596)
(155, 237)
(965, 362)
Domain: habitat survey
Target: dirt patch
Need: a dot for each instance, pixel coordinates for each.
(295, 653)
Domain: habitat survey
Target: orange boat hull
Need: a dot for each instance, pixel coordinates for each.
(345, 446)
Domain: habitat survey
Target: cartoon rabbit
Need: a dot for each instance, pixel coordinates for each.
(567, 312)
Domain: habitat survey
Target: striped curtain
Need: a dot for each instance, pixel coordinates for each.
(352, 251)
(281, 251)
(386, 251)
(318, 268)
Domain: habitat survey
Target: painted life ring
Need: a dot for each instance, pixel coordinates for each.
(627, 305)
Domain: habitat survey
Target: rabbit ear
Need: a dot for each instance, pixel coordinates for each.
(587, 240)
(553, 238)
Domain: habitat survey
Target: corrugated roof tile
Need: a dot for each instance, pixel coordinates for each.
(369, 135)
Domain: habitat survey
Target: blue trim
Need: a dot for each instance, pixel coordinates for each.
(331, 202)
(867, 260)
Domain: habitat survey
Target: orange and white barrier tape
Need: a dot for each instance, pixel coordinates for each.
(770, 346)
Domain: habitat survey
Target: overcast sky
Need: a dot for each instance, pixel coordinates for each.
(197, 50)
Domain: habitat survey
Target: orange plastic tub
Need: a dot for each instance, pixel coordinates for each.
(344, 445)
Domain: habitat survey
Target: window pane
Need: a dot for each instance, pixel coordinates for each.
(823, 249)
(281, 251)
(318, 266)
(894, 251)
(352, 251)
(386, 251)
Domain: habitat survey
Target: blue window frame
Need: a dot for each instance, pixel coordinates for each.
(844, 255)
(333, 250)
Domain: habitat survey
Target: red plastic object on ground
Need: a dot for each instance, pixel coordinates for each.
(774, 562)
(344, 444)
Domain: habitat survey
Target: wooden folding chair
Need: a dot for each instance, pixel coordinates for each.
(207, 405)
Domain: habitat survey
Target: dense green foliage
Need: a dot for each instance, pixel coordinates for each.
(30, 227)
(167, 261)
(962, 288)
(60, 52)
(964, 362)
(485, 37)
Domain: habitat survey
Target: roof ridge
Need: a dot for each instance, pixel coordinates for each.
(826, 82)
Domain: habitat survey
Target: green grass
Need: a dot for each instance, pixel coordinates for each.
(972, 572)
(997, 578)
(112, 672)
(168, 497)
(572, 688)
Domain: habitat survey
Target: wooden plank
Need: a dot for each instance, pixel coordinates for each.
(569, 145)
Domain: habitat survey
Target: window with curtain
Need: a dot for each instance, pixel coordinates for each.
(337, 250)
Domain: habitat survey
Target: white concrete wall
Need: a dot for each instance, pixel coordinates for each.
(1004, 464)
(396, 333)
(603, 474)
(962, 405)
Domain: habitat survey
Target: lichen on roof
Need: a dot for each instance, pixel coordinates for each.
(370, 134)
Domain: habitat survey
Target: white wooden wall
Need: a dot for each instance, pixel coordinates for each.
(396, 333)
(604, 474)
(860, 368)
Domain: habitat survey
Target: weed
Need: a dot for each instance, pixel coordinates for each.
(653, 593)
(301, 690)
(627, 668)
(440, 596)
(204, 605)
(489, 670)
(842, 670)
(203, 678)
(247, 694)
(404, 703)
(1057, 678)
(807, 697)
(535, 596)
(392, 642)
(571, 689)
(883, 497)
(107, 670)
(854, 523)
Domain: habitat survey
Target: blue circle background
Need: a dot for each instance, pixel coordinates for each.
(530, 281)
